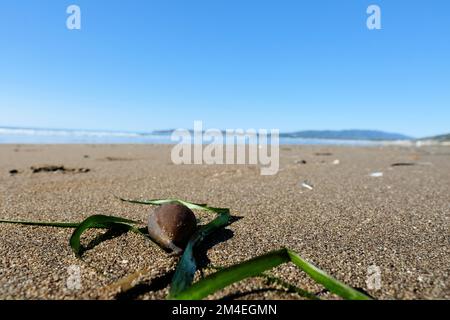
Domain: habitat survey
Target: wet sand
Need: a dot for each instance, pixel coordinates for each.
(347, 223)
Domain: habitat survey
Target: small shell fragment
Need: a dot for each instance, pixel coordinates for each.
(376, 174)
(307, 185)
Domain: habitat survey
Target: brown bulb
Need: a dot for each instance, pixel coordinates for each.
(171, 226)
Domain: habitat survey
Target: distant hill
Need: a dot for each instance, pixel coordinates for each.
(347, 135)
(443, 137)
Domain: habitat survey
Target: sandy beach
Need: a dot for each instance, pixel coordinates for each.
(347, 223)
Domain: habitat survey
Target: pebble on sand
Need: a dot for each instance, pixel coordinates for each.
(171, 226)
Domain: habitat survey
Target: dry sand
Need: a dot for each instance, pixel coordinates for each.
(347, 223)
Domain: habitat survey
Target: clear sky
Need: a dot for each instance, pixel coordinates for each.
(291, 65)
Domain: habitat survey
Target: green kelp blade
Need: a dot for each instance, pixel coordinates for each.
(190, 205)
(228, 276)
(94, 222)
(43, 224)
(185, 272)
(255, 267)
(333, 285)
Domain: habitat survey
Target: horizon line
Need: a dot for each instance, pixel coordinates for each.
(190, 129)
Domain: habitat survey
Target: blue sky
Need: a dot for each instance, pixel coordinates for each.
(292, 65)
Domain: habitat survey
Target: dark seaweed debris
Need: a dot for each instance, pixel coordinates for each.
(403, 164)
(58, 169)
(323, 154)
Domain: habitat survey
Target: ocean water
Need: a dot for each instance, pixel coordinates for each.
(61, 136)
